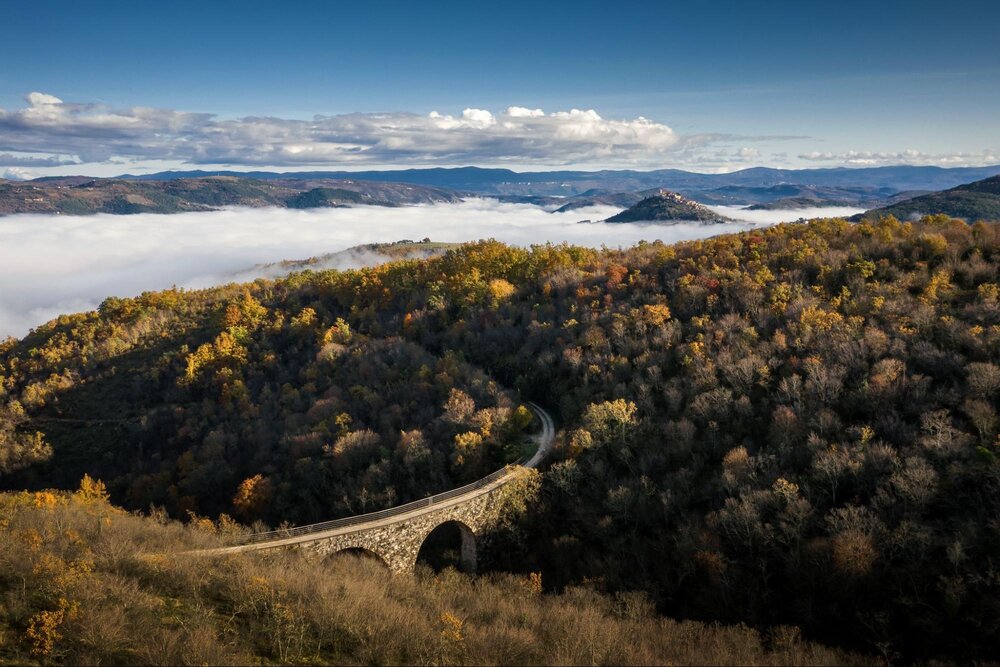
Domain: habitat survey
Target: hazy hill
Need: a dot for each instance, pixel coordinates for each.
(76, 196)
(789, 195)
(777, 197)
(971, 202)
(690, 184)
(620, 199)
(82, 196)
(807, 201)
(667, 207)
(171, 192)
(793, 196)
(794, 203)
(371, 254)
(562, 204)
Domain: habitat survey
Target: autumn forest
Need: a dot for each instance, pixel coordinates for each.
(794, 426)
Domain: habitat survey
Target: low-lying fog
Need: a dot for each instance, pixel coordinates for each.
(51, 265)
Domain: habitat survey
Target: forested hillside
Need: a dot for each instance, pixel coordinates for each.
(789, 426)
(972, 202)
(213, 402)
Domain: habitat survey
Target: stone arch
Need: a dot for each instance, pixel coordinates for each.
(361, 551)
(468, 558)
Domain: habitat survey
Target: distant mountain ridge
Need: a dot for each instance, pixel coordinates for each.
(972, 202)
(793, 196)
(82, 196)
(570, 183)
(757, 188)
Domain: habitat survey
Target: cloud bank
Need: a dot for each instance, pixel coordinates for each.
(16, 174)
(51, 265)
(48, 129)
(53, 135)
(908, 157)
(9, 160)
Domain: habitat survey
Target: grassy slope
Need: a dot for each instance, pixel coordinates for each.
(76, 589)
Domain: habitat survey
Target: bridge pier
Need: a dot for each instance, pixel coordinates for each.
(469, 558)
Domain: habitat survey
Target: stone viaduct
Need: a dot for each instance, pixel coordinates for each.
(395, 535)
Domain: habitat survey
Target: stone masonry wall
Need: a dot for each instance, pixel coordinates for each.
(399, 543)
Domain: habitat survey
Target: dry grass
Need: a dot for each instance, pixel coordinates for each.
(81, 560)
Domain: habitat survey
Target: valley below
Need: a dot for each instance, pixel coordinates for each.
(765, 431)
(786, 426)
(570, 333)
(52, 265)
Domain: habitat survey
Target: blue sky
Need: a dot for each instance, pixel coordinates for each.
(720, 85)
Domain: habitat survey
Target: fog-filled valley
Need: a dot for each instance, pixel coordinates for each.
(51, 265)
(552, 333)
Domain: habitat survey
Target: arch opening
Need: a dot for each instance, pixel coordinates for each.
(361, 554)
(450, 544)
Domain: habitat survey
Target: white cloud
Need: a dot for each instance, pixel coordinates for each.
(522, 112)
(470, 118)
(16, 174)
(41, 99)
(907, 157)
(11, 160)
(478, 118)
(766, 217)
(518, 135)
(49, 132)
(51, 265)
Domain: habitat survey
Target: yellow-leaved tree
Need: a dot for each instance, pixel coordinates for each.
(252, 496)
